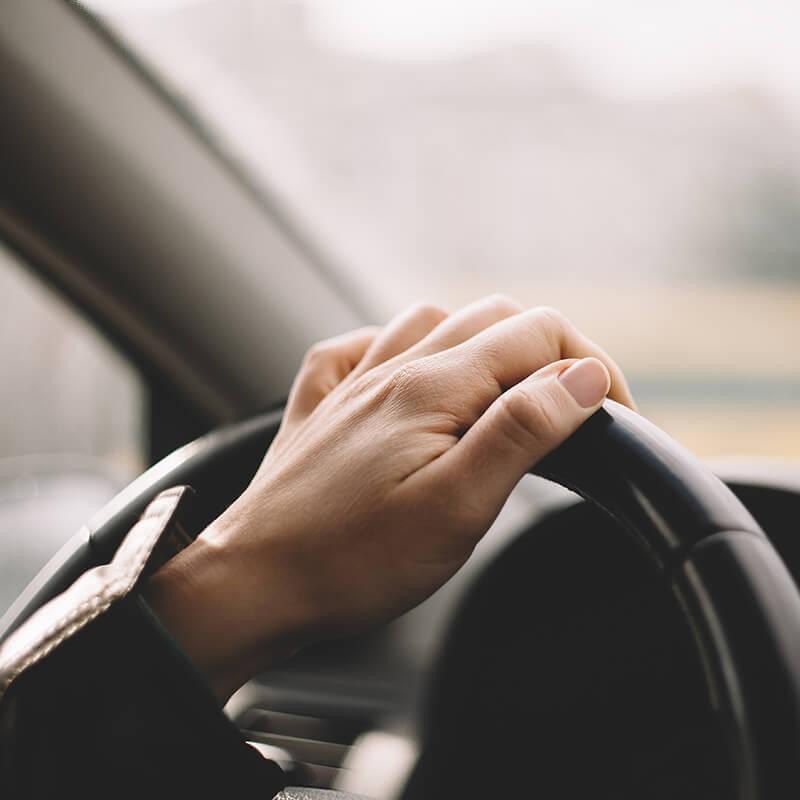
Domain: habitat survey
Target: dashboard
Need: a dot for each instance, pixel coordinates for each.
(553, 576)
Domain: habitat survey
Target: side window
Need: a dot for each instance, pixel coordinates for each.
(71, 433)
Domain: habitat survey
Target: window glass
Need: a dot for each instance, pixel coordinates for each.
(636, 164)
(71, 431)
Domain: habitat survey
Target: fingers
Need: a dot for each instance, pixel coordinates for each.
(522, 426)
(400, 334)
(329, 363)
(511, 350)
(461, 326)
(474, 355)
(325, 366)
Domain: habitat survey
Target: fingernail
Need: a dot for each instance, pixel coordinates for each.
(587, 381)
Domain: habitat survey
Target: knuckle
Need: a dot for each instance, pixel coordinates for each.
(428, 312)
(486, 357)
(552, 325)
(410, 383)
(317, 354)
(528, 420)
(550, 316)
(503, 304)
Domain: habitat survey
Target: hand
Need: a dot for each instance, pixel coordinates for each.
(397, 450)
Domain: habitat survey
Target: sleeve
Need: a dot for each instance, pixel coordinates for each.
(97, 700)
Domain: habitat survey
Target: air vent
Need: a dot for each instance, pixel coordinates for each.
(317, 746)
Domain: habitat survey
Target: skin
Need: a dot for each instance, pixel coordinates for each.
(398, 448)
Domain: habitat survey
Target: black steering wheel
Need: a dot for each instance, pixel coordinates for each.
(741, 602)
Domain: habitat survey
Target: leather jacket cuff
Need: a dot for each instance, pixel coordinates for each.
(99, 700)
(154, 539)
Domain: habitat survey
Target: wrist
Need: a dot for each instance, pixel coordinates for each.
(230, 611)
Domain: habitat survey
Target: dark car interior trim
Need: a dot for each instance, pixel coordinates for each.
(99, 192)
(732, 585)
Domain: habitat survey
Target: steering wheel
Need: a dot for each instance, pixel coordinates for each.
(740, 601)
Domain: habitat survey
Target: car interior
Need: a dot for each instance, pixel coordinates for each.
(630, 626)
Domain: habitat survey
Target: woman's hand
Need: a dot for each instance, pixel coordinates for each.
(397, 451)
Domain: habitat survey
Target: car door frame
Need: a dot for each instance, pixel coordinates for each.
(118, 197)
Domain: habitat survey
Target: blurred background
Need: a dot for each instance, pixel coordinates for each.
(635, 164)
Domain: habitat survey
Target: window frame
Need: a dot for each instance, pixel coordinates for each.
(187, 287)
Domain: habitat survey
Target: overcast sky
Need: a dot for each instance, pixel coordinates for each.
(627, 46)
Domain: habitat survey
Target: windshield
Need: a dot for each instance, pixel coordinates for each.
(635, 164)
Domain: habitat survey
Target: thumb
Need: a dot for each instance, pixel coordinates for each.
(522, 426)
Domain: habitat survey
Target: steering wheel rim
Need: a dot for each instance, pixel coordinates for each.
(742, 605)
